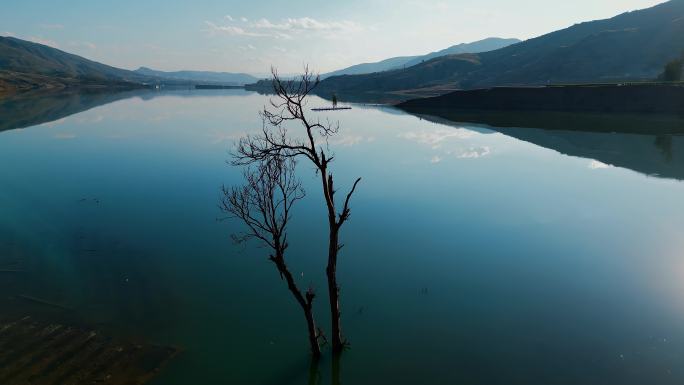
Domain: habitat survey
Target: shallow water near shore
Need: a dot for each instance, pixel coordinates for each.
(474, 254)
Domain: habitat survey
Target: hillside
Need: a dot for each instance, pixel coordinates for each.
(27, 65)
(488, 44)
(631, 46)
(367, 68)
(205, 77)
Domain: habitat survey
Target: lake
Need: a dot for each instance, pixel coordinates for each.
(474, 254)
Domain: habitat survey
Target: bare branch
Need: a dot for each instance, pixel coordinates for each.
(264, 205)
(345, 210)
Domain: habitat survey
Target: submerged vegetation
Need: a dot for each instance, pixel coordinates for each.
(264, 204)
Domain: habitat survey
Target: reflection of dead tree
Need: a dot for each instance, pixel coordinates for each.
(264, 204)
(289, 106)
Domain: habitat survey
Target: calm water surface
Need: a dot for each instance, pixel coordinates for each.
(473, 256)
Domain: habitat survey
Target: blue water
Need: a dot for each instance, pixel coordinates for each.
(471, 257)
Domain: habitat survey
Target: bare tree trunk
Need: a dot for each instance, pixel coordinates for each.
(314, 375)
(335, 222)
(313, 333)
(336, 371)
(334, 289)
(331, 269)
(290, 105)
(305, 302)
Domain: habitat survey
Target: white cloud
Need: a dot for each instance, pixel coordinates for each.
(474, 153)
(244, 19)
(230, 30)
(596, 165)
(287, 28)
(346, 140)
(229, 18)
(449, 143)
(308, 24)
(435, 137)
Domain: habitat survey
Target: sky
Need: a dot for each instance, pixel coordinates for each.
(253, 35)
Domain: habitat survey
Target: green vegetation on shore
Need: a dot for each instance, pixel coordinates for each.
(673, 70)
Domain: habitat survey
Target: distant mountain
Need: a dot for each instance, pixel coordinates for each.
(224, 78)
(25, 65)
(632, 46)
(488, 44)
(367, 68)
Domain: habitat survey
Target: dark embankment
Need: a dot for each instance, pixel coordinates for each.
(667, 99)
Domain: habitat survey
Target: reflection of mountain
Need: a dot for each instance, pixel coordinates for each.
(33, 108)
(650, 124)
(265, 87)
(482, 129)
(648, 144)
(656, 155)
(25, 110)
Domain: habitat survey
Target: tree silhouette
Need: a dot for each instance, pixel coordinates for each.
(264, 204)
(288, 106)
(673, 70)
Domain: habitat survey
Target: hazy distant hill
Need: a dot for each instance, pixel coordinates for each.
(367, 68)
(634, 45)
(488, 44)
(206, 77)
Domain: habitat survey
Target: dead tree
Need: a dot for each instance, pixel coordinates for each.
(288, 106)
(264, 204)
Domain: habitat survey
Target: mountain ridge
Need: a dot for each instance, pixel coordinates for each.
(488, 44)
(28, 65)
(210, 77)
(25, 65)
(630, 46)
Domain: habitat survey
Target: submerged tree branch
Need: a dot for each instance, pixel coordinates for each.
(264, 205)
